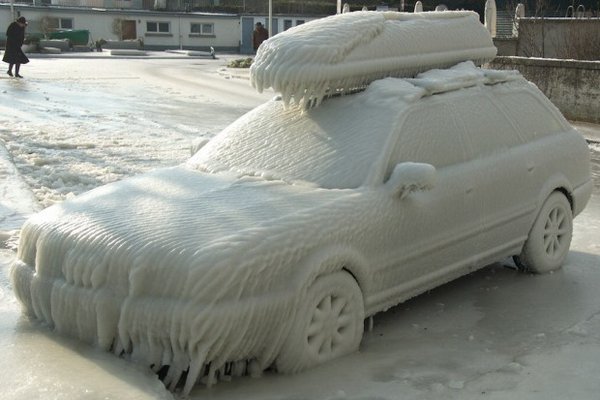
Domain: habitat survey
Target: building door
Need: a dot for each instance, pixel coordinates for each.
(274, 27)
(247, 29)
(128, 29)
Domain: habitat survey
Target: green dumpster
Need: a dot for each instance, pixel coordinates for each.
(78, 37)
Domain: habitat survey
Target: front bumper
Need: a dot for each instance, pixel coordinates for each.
(203, 339)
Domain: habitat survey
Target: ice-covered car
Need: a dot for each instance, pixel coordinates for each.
(279, 237)
(285, 231)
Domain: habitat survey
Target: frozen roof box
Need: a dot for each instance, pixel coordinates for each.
(348, 51)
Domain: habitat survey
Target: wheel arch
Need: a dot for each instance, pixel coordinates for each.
(560, 184)
(568, 195)
(332, 259)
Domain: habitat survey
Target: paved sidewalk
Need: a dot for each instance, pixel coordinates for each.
(131, 54)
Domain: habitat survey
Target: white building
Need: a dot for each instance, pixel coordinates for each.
(158, 30)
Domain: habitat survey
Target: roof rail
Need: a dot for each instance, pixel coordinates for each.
(461, 76)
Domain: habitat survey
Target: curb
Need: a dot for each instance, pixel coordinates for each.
(239, 73)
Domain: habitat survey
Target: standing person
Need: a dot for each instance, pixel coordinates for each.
(13, 55)
(259, 35)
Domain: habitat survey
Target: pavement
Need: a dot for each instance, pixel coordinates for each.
(591, 132)
(129, 54)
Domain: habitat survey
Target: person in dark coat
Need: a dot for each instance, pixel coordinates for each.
(13, 55)
(259, 35)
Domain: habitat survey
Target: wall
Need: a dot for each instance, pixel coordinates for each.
(131, 4)
(573, 86)
(506, 46)
(100, 24)
(568, 38)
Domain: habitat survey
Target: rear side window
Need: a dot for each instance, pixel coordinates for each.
(488, 130)
(531, 115)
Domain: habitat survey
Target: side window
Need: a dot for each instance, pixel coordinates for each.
(531, 116)
(429, 134)
(488, 130)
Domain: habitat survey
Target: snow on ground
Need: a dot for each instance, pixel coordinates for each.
(71, 126)
(75, 124)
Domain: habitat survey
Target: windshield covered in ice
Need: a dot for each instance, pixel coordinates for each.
(335, 145)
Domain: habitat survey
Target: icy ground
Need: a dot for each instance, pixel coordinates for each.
(71, 125)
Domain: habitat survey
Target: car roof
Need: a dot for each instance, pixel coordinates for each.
(438, 81)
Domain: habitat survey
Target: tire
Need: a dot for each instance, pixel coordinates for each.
(328, 325)
(549, 240)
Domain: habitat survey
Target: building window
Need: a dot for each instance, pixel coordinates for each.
(299, 22)
(287, 24)
(158, 27)
(65, 23)
(53, 24)
(202, 29)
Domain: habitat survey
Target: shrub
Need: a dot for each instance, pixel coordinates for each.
(241, 63)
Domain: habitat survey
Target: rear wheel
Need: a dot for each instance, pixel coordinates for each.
(550, 237)
(328, 325)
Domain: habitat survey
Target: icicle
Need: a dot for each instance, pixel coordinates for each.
(254, 368)
(196, 368)
(238, 368)
(172, 378)
(167, 356)
(210, 378)
(118, 347)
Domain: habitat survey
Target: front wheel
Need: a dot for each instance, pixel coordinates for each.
(550, 237)
(329, 324)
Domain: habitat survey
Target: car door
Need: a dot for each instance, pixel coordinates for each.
(433, 237)
(500, 186)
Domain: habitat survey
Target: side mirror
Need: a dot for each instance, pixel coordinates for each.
(411, 177)
(197, 144)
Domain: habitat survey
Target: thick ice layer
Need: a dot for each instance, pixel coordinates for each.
(166, 267)
(197, 270)
(204, 267)
(347, 51)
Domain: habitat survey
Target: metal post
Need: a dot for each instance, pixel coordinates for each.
(269, 23)
(180, 35)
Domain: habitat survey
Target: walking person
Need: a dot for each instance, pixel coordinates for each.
(13, 55)
(259, 35)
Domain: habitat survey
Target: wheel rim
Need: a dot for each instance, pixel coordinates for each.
(556, 232)
(330, 326)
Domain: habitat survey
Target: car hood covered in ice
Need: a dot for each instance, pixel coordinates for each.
(172, 266)
(169, 210)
